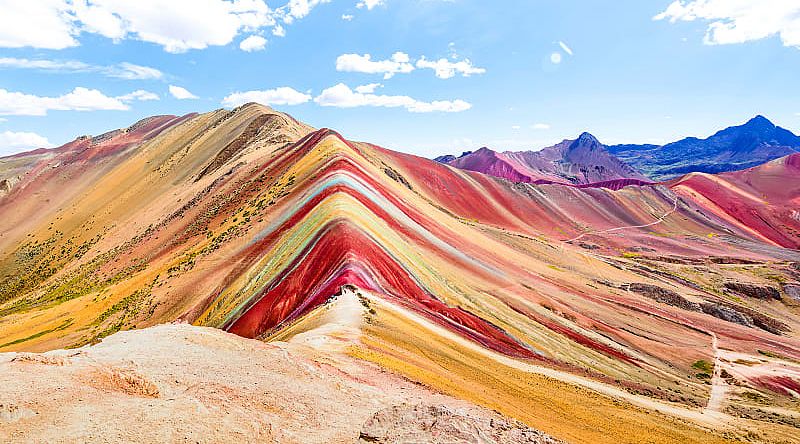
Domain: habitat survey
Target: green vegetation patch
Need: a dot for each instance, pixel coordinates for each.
(62, 326)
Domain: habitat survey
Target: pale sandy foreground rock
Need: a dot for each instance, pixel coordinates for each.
(439, 424)
(180, 383)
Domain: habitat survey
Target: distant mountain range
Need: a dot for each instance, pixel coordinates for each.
(585, 160)
(734, 148)
(580, 161)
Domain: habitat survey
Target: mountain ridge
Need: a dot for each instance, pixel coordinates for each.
(579, 161)
(734, 148)
(462, 276)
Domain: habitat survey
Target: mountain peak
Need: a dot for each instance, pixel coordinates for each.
(759, 121)
(483, 150)
(586, 140)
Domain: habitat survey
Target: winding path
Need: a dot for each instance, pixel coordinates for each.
(718, 385)
(610, 230)
(711, 418)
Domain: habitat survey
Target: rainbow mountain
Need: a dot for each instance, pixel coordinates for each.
(557, 305)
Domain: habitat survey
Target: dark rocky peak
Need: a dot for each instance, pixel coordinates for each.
(586, 141)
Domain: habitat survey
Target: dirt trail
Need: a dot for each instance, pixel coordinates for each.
(339, 325)
(709, 418)
(611, 230)
(718, 384)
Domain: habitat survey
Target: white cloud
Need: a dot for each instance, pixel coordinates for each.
(515, 127)
(298, 9)
(555, 58)
(278, 96)
(140, 95)
(253, 43)
(177, 25)
(566, 48)
(446, 69)
(398, 63)
(13, 142)
(79, 99)
(740, 21)
(125, 70)
(401, 63)
(342, 96)
(540, 126)
(42, 24)
(44, 65)
(368, 89)
(347, 17)
(181, 93)
(130, 71)
(369, 4)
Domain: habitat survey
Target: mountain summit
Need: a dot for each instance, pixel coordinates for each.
(754, 142)
(517, 296)
(579, 161)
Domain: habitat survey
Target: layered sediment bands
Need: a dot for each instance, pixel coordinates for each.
(249, 221)
(345, 229)
(762, 200)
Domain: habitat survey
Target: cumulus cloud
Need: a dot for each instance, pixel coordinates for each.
(297, 9)
(253, 43)
(181, 93)
(400, 62)
(741, 20)
(341, 96)
(446, 69)
(347, 17)
(79, 99)
(125, 70)
(45, 24)
(369, 4)
(14, 142)
(177, 25)
(278, 96)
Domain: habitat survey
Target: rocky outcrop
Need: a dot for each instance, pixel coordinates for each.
(441, 424)
(5, 187)
(744, 316)
(753, 291)
(664, 296)
(793, 291)
(726, 314)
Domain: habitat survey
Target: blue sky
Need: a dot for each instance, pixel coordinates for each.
(421, 76)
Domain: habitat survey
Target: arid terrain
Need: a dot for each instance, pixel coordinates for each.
(241, 276)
